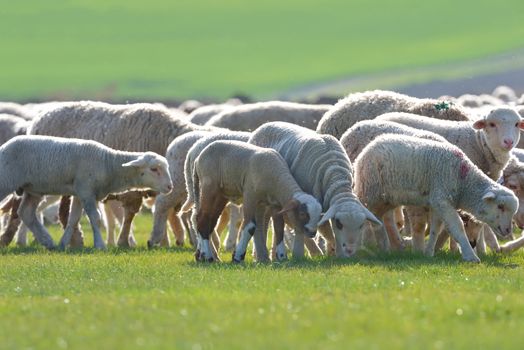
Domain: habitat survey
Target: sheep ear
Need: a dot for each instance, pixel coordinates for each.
(521, 125)
(327, 215)
(291, 205)
(479, 124)
(138, 163)
(489, 196)
(372, 218)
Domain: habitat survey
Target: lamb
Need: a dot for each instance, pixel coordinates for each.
(232, 170)
(363, 133)
(136, 128)
(186, 146)
(88, 170)
(370, 104)
(321, 168)
(505, 93)
(248, 117)
(403, 170)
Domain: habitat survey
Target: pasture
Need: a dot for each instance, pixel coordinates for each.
(163, 299)
(162, 49)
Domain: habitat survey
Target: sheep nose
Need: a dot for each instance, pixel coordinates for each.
(508, 143)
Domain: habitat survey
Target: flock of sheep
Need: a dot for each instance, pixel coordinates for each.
(378, 168)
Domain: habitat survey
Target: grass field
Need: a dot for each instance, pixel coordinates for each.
(161, 49)
(162, 299)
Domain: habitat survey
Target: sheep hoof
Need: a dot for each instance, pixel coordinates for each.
(179, 243)
(238, 261)
(150, 244)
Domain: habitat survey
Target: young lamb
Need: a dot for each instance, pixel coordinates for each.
(248, 117)
(370, 104)
(88, 170)
(321, 168)
(166, 206)
(402, 170)
(137, 127)
(233, 170)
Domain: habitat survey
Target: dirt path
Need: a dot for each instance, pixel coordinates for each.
(475, 76)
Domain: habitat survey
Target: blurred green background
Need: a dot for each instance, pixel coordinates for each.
(117, 50)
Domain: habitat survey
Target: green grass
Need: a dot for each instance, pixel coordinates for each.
(127, 299)
(161, 49)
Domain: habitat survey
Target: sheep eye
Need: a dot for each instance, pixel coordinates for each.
(512, 187)
(154, 170)
(501, 207)
(492, 125)
(338, 224)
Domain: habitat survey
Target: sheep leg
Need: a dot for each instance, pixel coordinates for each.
(72, 222)
(27, 211)
(418, 219)
(176, 227)
(186, 221)
(223, 221)
(491, 239)
(312, 247)
(278, 249)
(326, 232)
(456, 229)
(395, 240)
(441, 240)
(399, 218)
(206, 220)
(21, 235)
(12, 223)
(163, 205)
(91, 210)
(260, 238)
(235, 219)
(481, 243)
(298, 245)
(435, 228)
(110, 224)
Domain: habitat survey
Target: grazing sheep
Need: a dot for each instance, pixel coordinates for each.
(233, 170)
(321, 168)
(505, 93)
(184, 149)
(402, 170)
(487, 142)
(250, 116)
(136, 128)
(370, 104)
(16, 110)
(40, 165)
(202, 115)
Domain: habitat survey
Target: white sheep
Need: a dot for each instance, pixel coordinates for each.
(321, 168)
(370, 104)
(41, 165)
(505, 93)
(137, 127)
(202, 115)
(16, 110)
(260, 178)
(167, 206)
(11, 126)
(402, 170)
(248, 117)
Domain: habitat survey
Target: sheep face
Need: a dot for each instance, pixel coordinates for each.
(348, 224)
(497, 209)
(502, 128)
(515, 182)
(154, 172)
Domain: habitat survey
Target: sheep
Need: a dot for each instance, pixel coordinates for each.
(403, 170)
(487, 141)
(321, 168)
(248, 117)
(188, 147)
(189, 106)
(136, 128)
(362, 133)
(11, 126)
(232, 170)
(202, 115)
(40, 165)
(16, 110)
(370, 104)
(505, 93)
